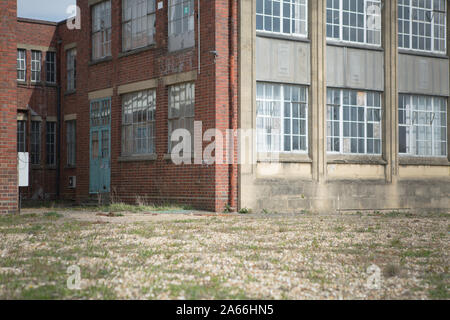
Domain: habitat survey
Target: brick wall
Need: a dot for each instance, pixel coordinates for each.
(8, 137)
(38, 100)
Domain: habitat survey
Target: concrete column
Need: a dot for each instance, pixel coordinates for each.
(390, 105)
(318, 91)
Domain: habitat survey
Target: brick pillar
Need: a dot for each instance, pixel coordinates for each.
(8, 107)
(318, 95)
(390, 105)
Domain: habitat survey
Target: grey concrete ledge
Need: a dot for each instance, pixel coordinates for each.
(68, 93)
(423, 161)
(282, 37)
(423, 54)
(99, 61)
(137, 50)
(135, 158)
(355, 159)
(284, 158)
(352, 45)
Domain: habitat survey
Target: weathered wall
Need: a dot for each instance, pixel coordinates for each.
(8, 106)
(321, 182)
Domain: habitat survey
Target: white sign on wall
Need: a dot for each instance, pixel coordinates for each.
(23, 167)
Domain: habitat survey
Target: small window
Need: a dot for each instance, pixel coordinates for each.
(353, 122)
(281, 118)
(71, 56)
(181, 24)
(282, 16)
(51, 143)
(181, 109)
(36, 57)
(71, 142)
(357, 21)
(138, 23)
(138, 122)
(50, 66)
(422, 125)
(422, 25)
(21, 136)
(21, 65)
(35, 142)
(101, 30)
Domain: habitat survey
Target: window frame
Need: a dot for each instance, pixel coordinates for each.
(71, 67)
(135, 21)
(50, 143)
(364, 28)
(50, 67)
(181, 117)
(35, 143)
(412, 125)
(131, 100)
(36, 66)
(282, 118)
(410, 35)
(341, 122)
(282, 18)
(22, 64)
(71, 142)
(105, 32)
(190, 16)
(21, 136)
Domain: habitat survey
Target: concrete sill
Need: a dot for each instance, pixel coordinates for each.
(284, 158)
(99, 61)
(423, 54)
(22, 83)
(51, 84)
(68, 93)
(423, 161)
(282, 37)
(147, 157)
(137, 51)
(36, 167)
(352, 45)
(355, 159)
(70, 167)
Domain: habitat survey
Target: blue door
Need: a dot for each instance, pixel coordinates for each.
(100, 146)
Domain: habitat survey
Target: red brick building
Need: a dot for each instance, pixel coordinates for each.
(190, 61)
(348, 96)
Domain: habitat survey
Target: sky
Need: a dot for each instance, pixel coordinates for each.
(51, 10)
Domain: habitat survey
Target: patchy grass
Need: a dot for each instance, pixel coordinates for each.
(252, 257)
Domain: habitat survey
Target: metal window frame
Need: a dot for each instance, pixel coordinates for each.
(50, 66)
(174, 3)
(365, 28)
(35, 143)
(36, 72)
(147, 31)
(20, 61)
(50, 145)
(105, 41)
(21, 131)
(71, 142)
(291, 19)
(282, 118)
(71, 56)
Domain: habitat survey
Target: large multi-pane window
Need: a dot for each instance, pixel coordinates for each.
(71, 62)
(51, 143)
(138, 23)
(50, 67)
(282, 16)
(181, 24)
(21, 136)
(357, 21)
(181, 109)
(422, 125)
(353, 122)
(35, 142)
(138, 122)
(36, 57)
(281, 118)
(21, 64)
(101, 30)
(71, 135)
(422, 25)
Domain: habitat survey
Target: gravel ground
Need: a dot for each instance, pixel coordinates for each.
(191, 255)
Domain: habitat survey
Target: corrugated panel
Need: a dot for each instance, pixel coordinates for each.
(282, 61)
(423, 75)
(355, 68)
